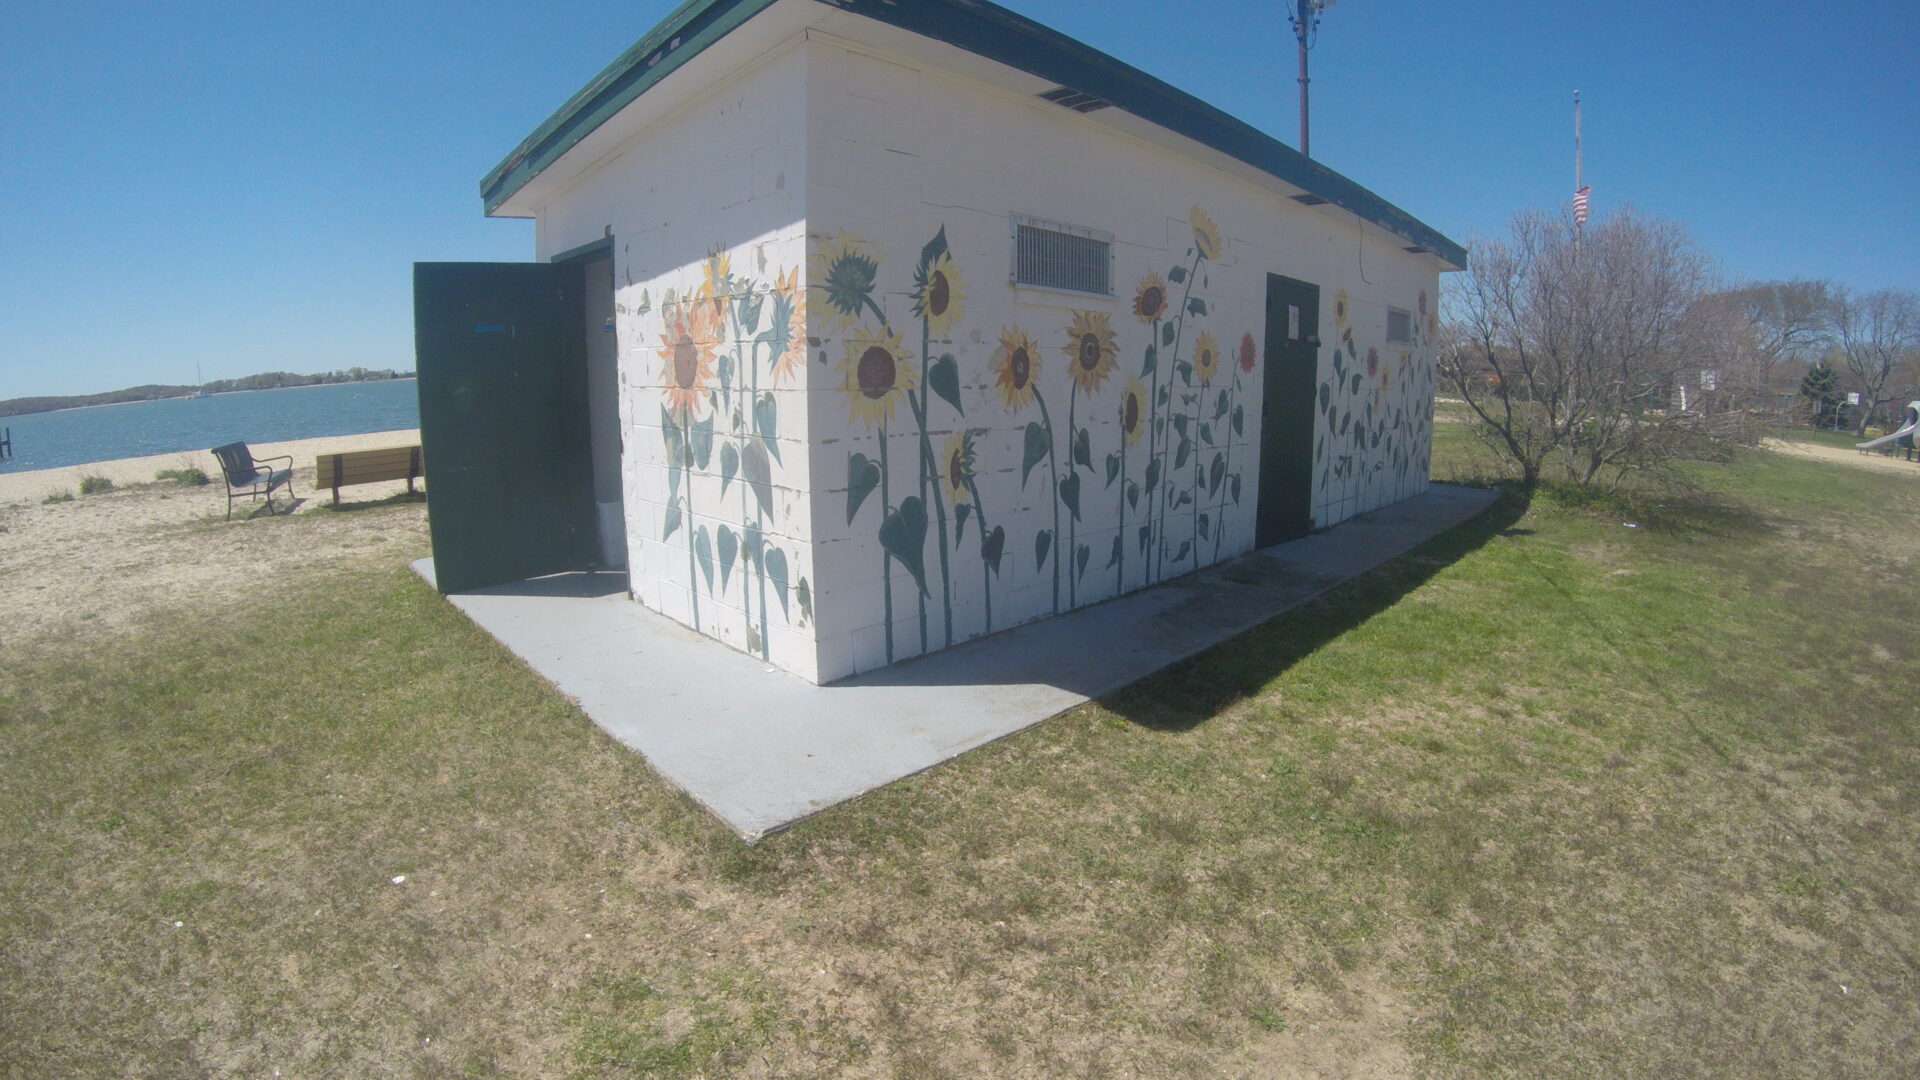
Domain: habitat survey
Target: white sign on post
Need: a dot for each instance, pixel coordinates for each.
(1853, 399)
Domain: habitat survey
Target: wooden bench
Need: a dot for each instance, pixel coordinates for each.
(366, 467)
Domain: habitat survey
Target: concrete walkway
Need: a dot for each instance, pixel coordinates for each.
(762, 749)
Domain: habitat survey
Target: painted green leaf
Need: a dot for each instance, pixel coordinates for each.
(1326, 396)
(1080, 556)
(944, 378)
(703, 551)
(862, 477)
(1206, 434)
(1186, 499)
(1083, 449)
(1345, 419)
(1204, 525)
(1185, 546)
(1180, 421)
(777, 573)
(1319, 448)
(1035, 453)
(1197, 306)
(960, 512)
(673, 484)
(1113, 468)
(703, 443)
(1042, 541)
(752, 546)
(935, 248)
(993, 547)
(1133, 495)
(747, 309)
(723, 370)
(729, 464)
(1113, 557)
(758, 473)
(1146, 537)
(766, 422)
(673, 521)
(729, 550)
(1166, 333)
(1220, 405)
(804, 593)
(1239, 420)
(1184, 370)
(1153, 476)
(1166, 393)
(1177, 275)
(1216, 472)
(1152, 361)
(1356, 383)
(1070, 492)
(904, 536)
(645, 305)
(1181, 452)
(1234, 486)
(670, 437)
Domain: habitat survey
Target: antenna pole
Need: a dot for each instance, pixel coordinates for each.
(1302, 15)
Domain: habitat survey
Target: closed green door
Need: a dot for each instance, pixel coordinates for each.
(1286, 412)
(504, 427)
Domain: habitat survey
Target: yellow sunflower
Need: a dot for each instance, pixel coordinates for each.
(956, 467)
(1341, 310)
(687, 348)
(1013, 367)
(877, 374)
(716, 285)
(938, 292)
(845, 270)
(1092, 353)
(1150, 299)
(789, 325)
(1206, 357)
(1133, 411)
(1206, 235)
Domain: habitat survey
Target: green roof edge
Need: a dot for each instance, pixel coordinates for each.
(978, 27)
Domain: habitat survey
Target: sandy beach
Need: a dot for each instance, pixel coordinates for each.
(119, 558)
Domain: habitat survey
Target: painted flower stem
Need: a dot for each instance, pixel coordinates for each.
(1153, 436)
(740, 434)
(986, 570)
(686, 460)
(1179, 332)
(1053, 469)
(929, 473)
(759, 514)
(1120, 564)
(1073, 520)
(1226, 491)
(886, 557)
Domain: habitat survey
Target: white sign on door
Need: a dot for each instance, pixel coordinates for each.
(1293, 322)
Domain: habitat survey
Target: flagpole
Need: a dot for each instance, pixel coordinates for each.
(1577, 222)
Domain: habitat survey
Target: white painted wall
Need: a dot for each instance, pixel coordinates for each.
(898, 154)
(711, 201)
(821, 160)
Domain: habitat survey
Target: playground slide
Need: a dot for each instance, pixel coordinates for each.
(1911, 422)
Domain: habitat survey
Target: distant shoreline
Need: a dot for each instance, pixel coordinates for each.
(85, 401)
(217, 393)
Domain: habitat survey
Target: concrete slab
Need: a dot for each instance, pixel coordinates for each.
(761, 748)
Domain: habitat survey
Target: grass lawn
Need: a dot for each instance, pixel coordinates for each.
(1551, 796)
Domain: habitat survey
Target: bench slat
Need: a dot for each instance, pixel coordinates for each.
(348, 468)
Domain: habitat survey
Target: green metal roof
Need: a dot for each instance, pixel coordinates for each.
(982, 28)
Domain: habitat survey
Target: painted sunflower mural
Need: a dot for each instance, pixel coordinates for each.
(875, 375)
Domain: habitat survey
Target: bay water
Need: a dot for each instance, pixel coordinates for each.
(139, 428)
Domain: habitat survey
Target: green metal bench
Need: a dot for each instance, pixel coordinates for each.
(245, 476)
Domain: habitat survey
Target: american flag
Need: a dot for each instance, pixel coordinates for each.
(1580, 205)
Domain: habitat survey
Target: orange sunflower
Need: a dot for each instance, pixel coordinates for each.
(1206, 357)
(1206, 235)
(789, 325)
(1013, 367)
(1091, 350)
(877, 374)
(687, 348)
(1133, 410)
(1150, 299)
(1248, 353)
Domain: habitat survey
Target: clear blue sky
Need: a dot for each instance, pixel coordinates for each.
(245, 185)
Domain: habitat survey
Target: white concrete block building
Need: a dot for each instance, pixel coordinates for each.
(879, 327)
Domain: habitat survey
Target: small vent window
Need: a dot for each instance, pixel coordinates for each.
(1056, 256)
(1399, 326)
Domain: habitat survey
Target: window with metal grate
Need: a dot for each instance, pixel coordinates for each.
(1399, 326)
(1056, 256)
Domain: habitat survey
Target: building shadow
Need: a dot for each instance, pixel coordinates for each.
(1186, 694)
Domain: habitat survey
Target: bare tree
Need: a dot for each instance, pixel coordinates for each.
(1568, 345)
(1876, 331)
(1766, 334)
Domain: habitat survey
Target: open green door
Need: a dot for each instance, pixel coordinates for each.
(1286, 412)
(503, 420)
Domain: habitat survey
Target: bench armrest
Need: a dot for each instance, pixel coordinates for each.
(288, 458)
